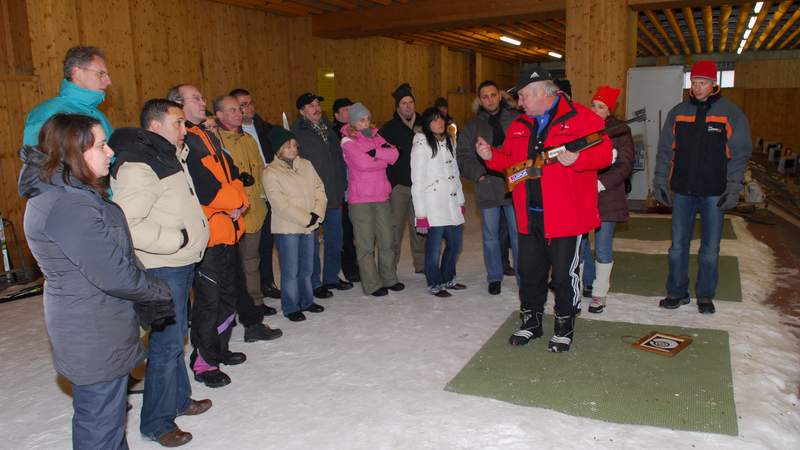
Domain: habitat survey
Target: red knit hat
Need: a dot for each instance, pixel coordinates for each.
(704, 69)
(607, 95)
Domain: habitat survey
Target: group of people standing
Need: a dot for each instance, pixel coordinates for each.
(200, 199)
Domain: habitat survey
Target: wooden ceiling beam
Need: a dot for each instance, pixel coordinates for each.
(780, 11)
(688, 17)
(492, 37)
(789, 39)
(759, 20)
(724, 17)
(741, 24)
(279, 8)
(316, 4)
(537, 38)
(432, 14)
(460, 42)
(784, 29)
(708, 28)
(642, 5)
(494, 40)
(673, 22)
(341, 3)
(651, 36)
(663, 32)
(643, 44)
(538, 28)
(382, 2)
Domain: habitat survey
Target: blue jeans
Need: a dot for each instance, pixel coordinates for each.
(332, 232)
(603, 240)
(100, 412)
(684, 208)
(167, 392)
(442, 271)
(492, 254)
(296, 263)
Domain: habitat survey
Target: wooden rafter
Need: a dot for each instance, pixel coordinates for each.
(545, 41)
(741, 24)
(651, 36)
(708, 28)
(677, 29)
(344, 4)
(780, 11)
(643, 44)
(688, 17)
(784, 29)
(494, 39)
(724, 16)
(382, 2)
(324, 7)
(761, 16)
(657, 24)
(460, 41)
(791, 37)
(430, 40)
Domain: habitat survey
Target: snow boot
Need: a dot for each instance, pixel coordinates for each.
(563, 330)
(531, 327)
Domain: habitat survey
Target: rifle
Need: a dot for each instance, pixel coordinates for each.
(532, 169)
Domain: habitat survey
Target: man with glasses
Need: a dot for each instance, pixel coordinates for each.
(82, 90)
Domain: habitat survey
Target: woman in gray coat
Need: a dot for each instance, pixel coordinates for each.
(93, 286)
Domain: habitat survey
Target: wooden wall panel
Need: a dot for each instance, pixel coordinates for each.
(54, 29)
(769, 73)
(501, 72)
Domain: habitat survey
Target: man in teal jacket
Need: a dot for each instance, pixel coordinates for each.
(82, 89)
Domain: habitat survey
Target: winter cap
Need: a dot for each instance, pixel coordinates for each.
(341, 103)
(440, 102)
(307, 98)
(357, 112)
(278, 136)
(530, 76)
(608, 95)
(704, 69)
(402, 91)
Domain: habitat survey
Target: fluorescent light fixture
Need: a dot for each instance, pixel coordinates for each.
(741, 44)
(739, 50)
(746, 33)
(330, 75)
(752, 22)
(509, 40)
(757, 8)
(555, 55)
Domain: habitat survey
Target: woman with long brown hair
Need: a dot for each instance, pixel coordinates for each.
(93, 286)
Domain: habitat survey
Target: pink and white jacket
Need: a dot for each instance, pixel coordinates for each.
(366, 174)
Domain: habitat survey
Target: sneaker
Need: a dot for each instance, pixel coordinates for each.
(494, 288)
(213, 378)
(454, 286)
(322, 292)
(531, 328)
(271, 291)
(673, 303)
(268, 310)
(396, 287)
(230, 358)
(705, 306)
(340, 285)
(296, 316)
(380, 292)
(597, 305)
(563, 330)
(315, 308)
(587, 291)
(261, 332)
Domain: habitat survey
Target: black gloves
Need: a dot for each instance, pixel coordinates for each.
(371, 153)
(155, 315)
(185, 235)
(247, 179)
(661, 191)
(314, 219)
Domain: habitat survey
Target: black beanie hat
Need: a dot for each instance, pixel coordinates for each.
(278, 136)
(404, 90)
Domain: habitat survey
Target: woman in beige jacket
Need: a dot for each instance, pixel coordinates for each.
(297, 196)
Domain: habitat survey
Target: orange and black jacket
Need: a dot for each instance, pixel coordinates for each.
(704, 147)
(218, 186)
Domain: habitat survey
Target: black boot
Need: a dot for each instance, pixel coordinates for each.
(531, 328)
(562, 334)
(673, 303)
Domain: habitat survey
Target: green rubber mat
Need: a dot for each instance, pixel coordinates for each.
(660, 229)
(602, 377)
(646, 275)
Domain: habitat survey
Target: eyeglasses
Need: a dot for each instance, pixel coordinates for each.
(197, 98)
(101, 74)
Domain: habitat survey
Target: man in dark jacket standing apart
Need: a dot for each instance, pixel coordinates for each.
(341, 117)
(320, 145)
(491, 123)
(400, 132)
(169, 232)
(702, 153)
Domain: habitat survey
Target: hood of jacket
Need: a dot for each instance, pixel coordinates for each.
(30, 183)
(138, 145)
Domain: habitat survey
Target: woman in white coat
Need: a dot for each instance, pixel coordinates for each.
(438, 202)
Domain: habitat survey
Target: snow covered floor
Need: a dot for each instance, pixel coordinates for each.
(369, 374)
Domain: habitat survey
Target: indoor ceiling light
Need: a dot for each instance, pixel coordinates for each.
(757, 8)
(752, 22)
(509, 40)
(746, 34)
(555, 55)
(330, 75)
(739, 50)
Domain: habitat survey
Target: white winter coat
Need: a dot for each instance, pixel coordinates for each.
(435, 184)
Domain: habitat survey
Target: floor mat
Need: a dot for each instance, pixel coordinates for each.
(646, 275)
(660, 229)
(604, 378)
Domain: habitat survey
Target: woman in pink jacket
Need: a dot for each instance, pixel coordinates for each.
(367, 154)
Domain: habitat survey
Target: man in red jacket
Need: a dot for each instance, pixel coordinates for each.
(553, 211)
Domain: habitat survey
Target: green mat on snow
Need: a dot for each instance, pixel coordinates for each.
(646, 275)
(602, 377)
(660, 229)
